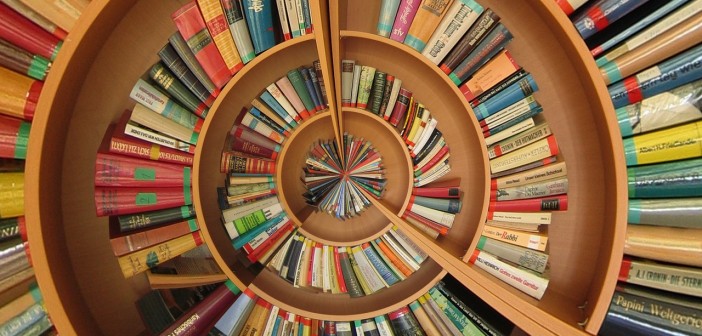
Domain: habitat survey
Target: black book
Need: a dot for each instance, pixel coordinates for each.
(153, 218)
(294, 259)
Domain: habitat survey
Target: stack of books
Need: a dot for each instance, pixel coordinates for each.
(440, 200)
(649, 55)
(446, 309)
(31, 35)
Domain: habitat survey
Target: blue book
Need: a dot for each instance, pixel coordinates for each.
(310, 87)
(388, 10)
(259, 18)
(264, 119)
(388, 276)
(601, 14)
(510, 95)
(245, 238)
(23, 320)
(317, 88)
(306, 15)
(276, 107)
(667, 75)
(651, 18)
(234, 319)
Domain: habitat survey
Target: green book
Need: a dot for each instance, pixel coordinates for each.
(670, 179)
(364, 86)
(298, 84)
(450, 205)
(169, 82)
(377, 92)
(462, 322)
(9, 228)
(152, 218)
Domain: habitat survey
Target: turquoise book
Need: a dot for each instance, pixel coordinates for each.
(664, 180)
(259, 18)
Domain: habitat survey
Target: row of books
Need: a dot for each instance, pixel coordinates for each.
(657, 102)
(227, 310)
(31, 35)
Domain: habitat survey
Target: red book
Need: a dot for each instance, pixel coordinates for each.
(113, 170)
(555, 203)
(434, 160)
(121, 201)
(199, 319)
(437, 192)
(400, 108)
(20, 94)
(314, 328)
(442, 230)
(22, 32)
(14, 135)
(339, 274)
(126, 243)
(192, 27)
(248, 147)
(236, 162)
(266, 245)
(119, 143)
(310, 268)
(245, 133)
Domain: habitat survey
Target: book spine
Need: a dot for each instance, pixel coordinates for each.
(248, 221)
(268, 121)
(426, 303)
(136, 241)
(248, 147)
(233, 163)
(417, 253)
(426, 19)
(404, 323)
(283, 19)
(355, 83)
(121, 201)
(274, 111)
(495, 89)
(461, 321)
(147, 219)
(352, 285)
(437, 192)
(669, 74)
(510, 95)
(438, 216)
(675, 143)
(364, 86)
(23, 320)
(375, 261)
(298, 83)
(555, 203)
(260, 127)
(499, 68)
(361, 274)
(670, 179)
(24, 34)
(320, 76)
(401, 105)
(10, 228)
(675, 245)
(338, 271)
(526, 282)
(156, 101)
(239, 30)
(200, 317)
(403, 20)
(312, 85)
(485, 23)
(394, 258)
(274, 98)
(388, 11)
(308, 16)
(476, 319)
(213, 14)
(600, 14)
(456, 22)
(569, 6)
(158, 139)
(426, 325)
(253, 238)
(259, 17)
(23, 62)
(681, 212)
(346, 81)
(377, 91)
(520, 217)
(520, 238)
(181, 47)
(139, 261)
(271, 245)
(669, 277)
(14, 135)
(538, 150)
(543, 189)
(392, 100)
(383, 326)
(170, 58)
(289, 91)
(291, 10)
(300, 18)
(120, 171)
(318, 82)
(20, 94)
(440, 204)
(524, 257)
(520, 140)
(192, 27)
(168, 81)
(37, 19)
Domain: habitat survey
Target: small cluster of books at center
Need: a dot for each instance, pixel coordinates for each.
(334, 183)
(227, 310)
(365, 87)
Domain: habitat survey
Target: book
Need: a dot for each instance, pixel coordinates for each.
(11, 194)
(403, 19)
(425, 21)
(520, 217)
(322, 87)
(64, 14)
(233, 319)
(667, 244)
(289, 91)
(234, 14)
(486, 49)
(139, 261)
(429, 227)
(413, 250)
(259, 18)
(24, 34)
(23, 62)
(126, 243)
(525, 257)
(669, 74)
(535, 241)
(437, 192)
(184, 271)
(525, 281)
(668, 179)
(141, 220)
(188, 57)
(15, 137)
(20, 94)
(216, 22)
(352, 283)
(510, 95)
(538, 150)
(298, 83)
(497, 69)
(464, 325)
(423, 318)
(386, 274)
(679, 142)
(526, 137)
(275, 112)
(552, 203)
(483, 25)
(293, 18)
(495, 89)
(388, 11)
(22, 321)
(205, 313)
(459, 17)
(671, 212)
(147, 95)
(403, 322)
(37, 18)
(377, 90)
(283, 20)
(600, 14)
(543, 189)
(112, 170)
(450, 205)
(179, 68)
(318, 83)
(146, 117)
(364, 86)
(401, 106)
(10, 227)
(438, 216)
(663, 276)
(193, 29)
(673, 41)
(309, 76)
(275, 99)
(121, 201)
(14, 258)
(366, 271)
(535, 175)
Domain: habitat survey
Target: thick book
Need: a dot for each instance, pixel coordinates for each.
(259, 18)
(536, 151)
(23, 62)
(437, 317)
(458, 19)
(670, 179)
(517, 141)
(483, 25)
(113, 170)
(121, 201)
(492, 44)
(450, 205)
(181, 70)
(149, 96)
(438, 192)
(510, 95)
(20, 94)
(242, 145)
(401, 106)
(676, 143)
(298, 84)
(38, 19)
(403, 19)
(234, 14)
(168, 81)
(352, 284)
(153, 120)
(551, 203)
(527, 282)
(200, 317)
(377, 91)
(309, 76)
(193, 29)
(403, 322)
(668, 244)
(542, 189)
(139, 261)
(671, 212)
(535, 175)
(274, 111)
(525, 257)
(216, 22)
(23, 33)
(11, 194)
(364, 86)
(426, 19)
(181, 47)
(386, 274)
(14, 135)
(237, 162)
(122, 243)
(664, 276)
(535, 241)
(291, 95)
(497, 88)
(10, 227)
(388, 11)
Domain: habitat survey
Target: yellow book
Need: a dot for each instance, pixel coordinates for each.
(675, 143)
(426, 20)
(676, 245)
(11, 194)
(18, 94)
(357, 271)
(420, 118)
(140, 261)
(519, 238)
(219, 29)
(423, 318)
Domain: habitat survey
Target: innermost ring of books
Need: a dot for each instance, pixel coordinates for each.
(339, 181)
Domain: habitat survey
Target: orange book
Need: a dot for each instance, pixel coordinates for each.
(18, 94)
(393, 257)
(426, 20)
(219, 29)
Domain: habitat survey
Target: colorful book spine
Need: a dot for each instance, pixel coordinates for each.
(293, 21)
(259, 17)
(133, 147)
(141, 220)
(23, 33)
(275, 98)
(20, 94)
(200, 318)
(669, 144)
(499, 68)
(121, 201)
(525, 257)
(543, 189)
(492, 44)
(291, 95)
(138, 132)
(144, 116)
(193, 29)
(426, 19)
(365, 85)
(403, 19)
(11, 194)
(140, 261)
(180, 69)
(510, 95)
(520, 140)
(404, 323)
(671, 212)
(669, 277)
(423, 318)
(214, 17)
(400, 108)
(239, 29)
(437, 192)
(15, 136)
(456, 22)
(485, 23)
(320, 77)
(450, 205)
(147, 95)
(388, 11)
(533, 241)
(669, 74)
(663, 180)
(377, 90)
(10, 228)
(554, 203)
(234, 318)
(23, 62)
(523, 280)
(298, 84)
(124, 244)
(520, 217)
(464, 325)
(37, 18)
(497, 88)
(538, 150)
(307, 77)
(170, 83)
(601, 13)
(388, 277)
(113, 170)
(317, 83)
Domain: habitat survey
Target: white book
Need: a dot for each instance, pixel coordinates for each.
(394, 92)
(233, 213)
(355, 83)
(383, 325)
(521, 217)
(277, 261)
(397, 248)
(445, 169)
(316, 267)
(439, 145)
(518, 278)
(300, 17)
(284, 103)
(444, 218)
(143, 133)
(456, 22)
(347, 68)
(291, 10)
(373, 279)
(283, 17)
(512, 130)
(515, 110)
(326, 281)
(424, 137)
(142, 115)
(409, 245)
(268, 330)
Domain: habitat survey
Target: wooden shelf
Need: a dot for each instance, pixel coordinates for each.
(116, 41)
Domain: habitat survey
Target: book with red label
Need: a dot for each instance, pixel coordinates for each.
(113, 170)
(20, 94)
(119, 201)
(271, 242)
(557, 203)
(20, 31)
(23, 62)
(14, 136)
(441, 229)
(236, 162)
(248, 147)
(116, 141)
(192, 27)
(245, 133)
(136, 240)
(213, 14)
(401, 105)
(437, 192)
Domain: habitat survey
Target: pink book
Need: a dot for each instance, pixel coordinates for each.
(114, 170)
(405, 14)
(289, 92)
